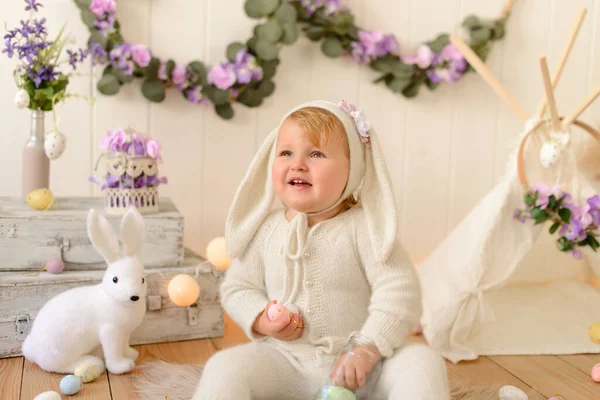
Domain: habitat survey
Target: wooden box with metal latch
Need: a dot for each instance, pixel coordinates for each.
(29, 238)
(22, 296)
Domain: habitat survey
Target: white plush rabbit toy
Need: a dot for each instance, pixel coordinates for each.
(72, 324)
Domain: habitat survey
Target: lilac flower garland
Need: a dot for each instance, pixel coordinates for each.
(42, 84)
(246, 76)
(577, 225)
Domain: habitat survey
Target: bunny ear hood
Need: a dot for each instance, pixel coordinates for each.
(368, 178)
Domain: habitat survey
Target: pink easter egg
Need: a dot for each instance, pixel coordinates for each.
(596, 373)
(277, 311)
(55, 266)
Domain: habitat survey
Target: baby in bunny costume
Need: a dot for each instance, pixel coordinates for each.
(330, 256)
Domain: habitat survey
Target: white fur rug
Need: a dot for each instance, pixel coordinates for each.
(159, 380)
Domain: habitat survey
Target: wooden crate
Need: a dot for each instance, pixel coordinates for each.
(22, 296)
(29, 238)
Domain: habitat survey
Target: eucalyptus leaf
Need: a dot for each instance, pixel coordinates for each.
(401, 70)
(398, 84)
(269, 68)
(225, 111)
(260, 8)
(88, 18)
(199, 69)
(565, 214)
(169, 68)
(266, 51)
(431, 85)
(250, 98)
(270, 31)
(481, 34)
(251, 43)
(233, 49)
(471, 22)
(83, 4)
(498, 31)
(97, 37)
(439, 43)
(286, 14)
(122, 77)
(216, 95)
(153, 90)
(153, 67)
(290, 33)
(554, 228)
(332, 47)
(315, 33)
(108, 84)
(411, 90)
(266, 88)
(383, 64)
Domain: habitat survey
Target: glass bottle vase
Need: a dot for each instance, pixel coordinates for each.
(35, 172)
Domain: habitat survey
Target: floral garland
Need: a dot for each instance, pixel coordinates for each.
(246, 76)
(578, 224)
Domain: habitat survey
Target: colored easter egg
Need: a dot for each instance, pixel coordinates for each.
(70, 384)
(55, 144)
(509, 392)
(40, 199)
(277, 311)
(549, 154)
(22, 98)
(331, 392)
(594, 332)
(55, 266)
(51, 395)
(596, 373)
(87, 372)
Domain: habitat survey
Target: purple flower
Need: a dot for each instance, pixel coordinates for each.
(222, 76)
(448, 66)
(113, 140)
(246, 68)
(373, 44)
(141, 55)
(423, 58)
(179, 74)
(518, 215)
(576, 254)
(580, 213)
(102, 7)
(162, 71)
(594, 202)
(575, 231)
(99, 55)
(329, 6)
(153, 150)
(194, 94)
(544, 193)
(31, 4)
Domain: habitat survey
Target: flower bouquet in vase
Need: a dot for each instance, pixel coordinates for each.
(131, 177)
(41, 85)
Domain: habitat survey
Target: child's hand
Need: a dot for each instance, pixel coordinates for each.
(282, 328)
(351, 369)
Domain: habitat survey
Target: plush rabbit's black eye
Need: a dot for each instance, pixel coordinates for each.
(115, 279)
(143, 280)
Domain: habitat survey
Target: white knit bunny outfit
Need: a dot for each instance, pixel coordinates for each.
(346, 274)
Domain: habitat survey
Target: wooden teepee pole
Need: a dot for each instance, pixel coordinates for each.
(563, 59)
(549, 90)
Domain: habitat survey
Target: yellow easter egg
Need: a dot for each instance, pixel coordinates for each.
(594, 332)
(40, 199)
(87, 372)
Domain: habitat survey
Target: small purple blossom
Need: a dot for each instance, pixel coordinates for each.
(518, 215)
(448, 66)
(373, 44)
(329, 7)
(222, 76)
(32, 5)
(423, 58)
(544, 193)
(574, 231)
(246, 67)
(99, 55)
(194, 94)
(141, 55)
(162, 71)
(179, 74)
(101, 8)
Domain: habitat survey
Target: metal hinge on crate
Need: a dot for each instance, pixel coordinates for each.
(22, 325)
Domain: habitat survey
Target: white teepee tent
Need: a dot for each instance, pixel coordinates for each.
(497, 286)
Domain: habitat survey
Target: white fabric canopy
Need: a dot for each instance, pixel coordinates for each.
(497, 286)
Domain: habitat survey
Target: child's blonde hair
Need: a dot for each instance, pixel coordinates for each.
(322, 128)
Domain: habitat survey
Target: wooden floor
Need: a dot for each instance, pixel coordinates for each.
(547, 375)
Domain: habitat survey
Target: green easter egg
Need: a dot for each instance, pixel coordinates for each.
(331, 392)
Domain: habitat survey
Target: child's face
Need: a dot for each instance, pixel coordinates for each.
(323, 171)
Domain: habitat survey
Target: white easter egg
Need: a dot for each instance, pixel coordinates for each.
(48, 396)
(509, 392)
(549, 154)
(22, 98)
(55, 144)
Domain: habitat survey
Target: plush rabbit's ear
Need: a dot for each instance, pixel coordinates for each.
(102, 236)
(133, 232)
